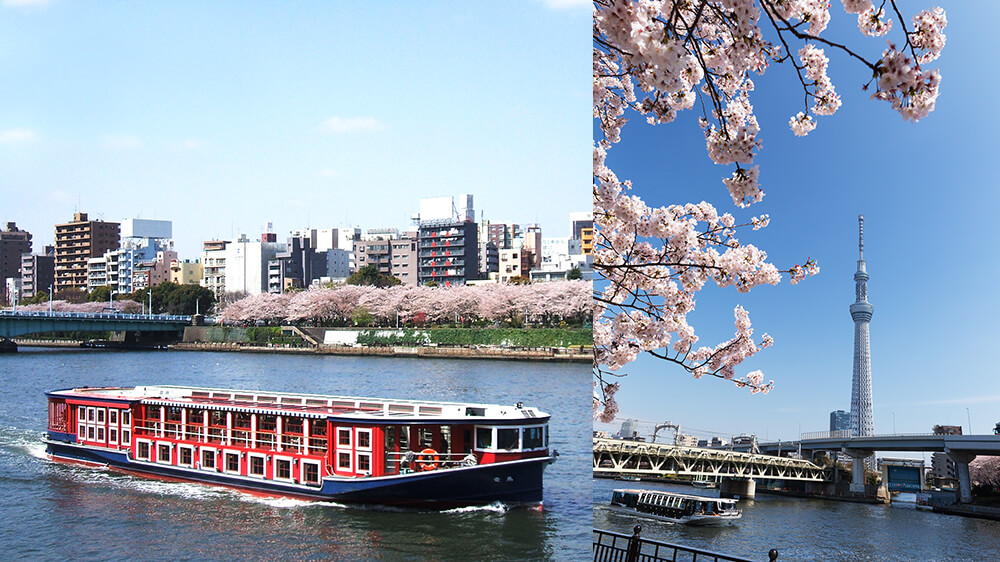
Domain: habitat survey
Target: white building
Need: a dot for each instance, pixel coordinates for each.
(238, 266)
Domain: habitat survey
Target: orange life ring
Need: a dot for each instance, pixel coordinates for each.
(428, 459)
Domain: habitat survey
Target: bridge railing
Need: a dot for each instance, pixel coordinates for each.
(94, 315)
(619, 547)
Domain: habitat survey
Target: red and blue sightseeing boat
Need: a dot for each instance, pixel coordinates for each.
(357, 450)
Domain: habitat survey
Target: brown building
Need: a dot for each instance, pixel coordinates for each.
(78, 241)
(13, 243)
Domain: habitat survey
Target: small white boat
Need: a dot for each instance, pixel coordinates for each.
(704, 483)
(677, 508)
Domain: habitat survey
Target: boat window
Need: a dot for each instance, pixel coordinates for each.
(81, 413)
(343, 437)
(533, 438)
(256, 465)
(344, 461)
(310, 473)
(126, 417)
(283, 469)
(208, 458)
(113, 436)
(364, 439)
(404, 438)
(90, 414)
(186, 456)
(113, 416)
(126, 438)
(163, 453)
(426, 437)
(507, 439)
(484, 437)
(100, 415)
(90, 433)
(292, 425)
(364, 463)
(232, 462)
(142, 451)
(100, 434)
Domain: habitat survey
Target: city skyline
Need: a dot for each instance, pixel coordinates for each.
(927, 193)
(224, 119)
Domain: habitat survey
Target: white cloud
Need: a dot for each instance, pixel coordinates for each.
(352, 124)
(17, 136)
(119, 141)
(567, 4)
(26, 3)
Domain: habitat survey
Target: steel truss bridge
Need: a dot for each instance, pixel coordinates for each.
(614, 457)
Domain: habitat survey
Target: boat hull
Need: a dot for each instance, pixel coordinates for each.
(695, 521)
(512, 483)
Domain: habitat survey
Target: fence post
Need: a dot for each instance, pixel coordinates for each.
(632, 555)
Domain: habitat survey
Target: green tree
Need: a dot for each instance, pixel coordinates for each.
(574, 274)
(40, 297)
(370, 275)
(100, 294)
(362, 317)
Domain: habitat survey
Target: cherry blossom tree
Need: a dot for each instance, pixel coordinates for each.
(985, 471)
(656, 58)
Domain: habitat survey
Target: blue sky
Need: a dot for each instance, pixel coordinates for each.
(223, 116)
(929, 195)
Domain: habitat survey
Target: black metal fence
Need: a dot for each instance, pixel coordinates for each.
(619, 547)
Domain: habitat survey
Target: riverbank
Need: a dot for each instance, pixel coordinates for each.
(969, 510)
(579, 355)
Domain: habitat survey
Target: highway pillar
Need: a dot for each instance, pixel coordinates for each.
(962, 461)
(739, 488)
(858, 468)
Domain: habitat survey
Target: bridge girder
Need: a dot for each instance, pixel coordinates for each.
(654, 459)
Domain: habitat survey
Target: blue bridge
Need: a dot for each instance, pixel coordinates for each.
(20, 323)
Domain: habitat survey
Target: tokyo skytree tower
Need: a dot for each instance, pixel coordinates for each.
(862, 422)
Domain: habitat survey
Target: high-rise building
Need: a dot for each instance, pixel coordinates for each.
(37, 273)
(77, 242)
(185, 272)
(580, 221)
(840, 420)
(14, 243)
(533, 244)
(862, 421)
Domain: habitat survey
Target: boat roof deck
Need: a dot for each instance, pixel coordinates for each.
(675, 494)
(309, 405)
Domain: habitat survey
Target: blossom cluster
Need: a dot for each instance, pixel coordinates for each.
(544, 302)
(660, 57)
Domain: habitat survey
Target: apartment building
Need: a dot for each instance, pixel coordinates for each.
(78, 241)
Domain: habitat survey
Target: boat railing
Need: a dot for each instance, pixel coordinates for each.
(620, 547)
(416, 461)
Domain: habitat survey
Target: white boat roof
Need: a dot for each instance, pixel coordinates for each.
(308, 405)
(675, 494)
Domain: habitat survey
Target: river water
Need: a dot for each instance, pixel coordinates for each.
(805, 529)
(55, 511)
